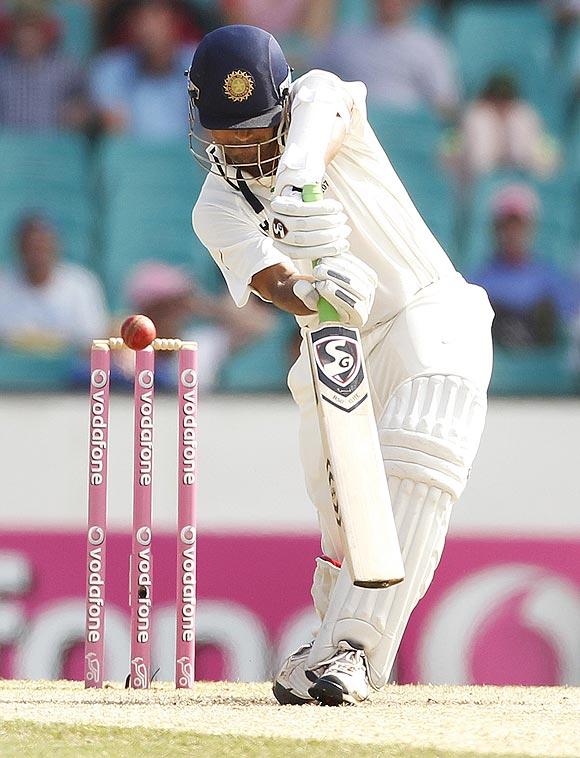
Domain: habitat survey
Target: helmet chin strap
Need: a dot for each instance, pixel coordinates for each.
(238, 183)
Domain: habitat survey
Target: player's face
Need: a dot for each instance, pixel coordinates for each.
(514, 236)
(154, 29)
(393, 11)
(30, 39)
(256, 150)
(38, 254)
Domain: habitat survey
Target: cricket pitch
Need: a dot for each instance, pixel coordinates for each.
(238, 719)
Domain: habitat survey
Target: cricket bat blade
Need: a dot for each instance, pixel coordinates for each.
(354, 463)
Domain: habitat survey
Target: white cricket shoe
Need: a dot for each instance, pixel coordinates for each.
(292, 682)
(344, 678)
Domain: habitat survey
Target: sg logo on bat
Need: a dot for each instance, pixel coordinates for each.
(339, 366)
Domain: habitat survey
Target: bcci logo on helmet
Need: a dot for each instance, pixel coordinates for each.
(239, 86)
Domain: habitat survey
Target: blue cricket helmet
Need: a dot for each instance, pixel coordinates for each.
(239, 79)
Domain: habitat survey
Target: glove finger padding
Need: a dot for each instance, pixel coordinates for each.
(348, 269)
(356, 286)
(293, 205)
(310, 231)
(349, 285)
(316, 237)
(337, 246)
(350, 311)
(310, 223)
(319, 228)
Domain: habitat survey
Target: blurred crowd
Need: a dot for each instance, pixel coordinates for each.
(487, 143)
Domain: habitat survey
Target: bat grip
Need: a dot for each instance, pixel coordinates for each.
(326, 311)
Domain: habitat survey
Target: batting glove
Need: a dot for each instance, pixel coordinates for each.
(344, 281)
(308, 231)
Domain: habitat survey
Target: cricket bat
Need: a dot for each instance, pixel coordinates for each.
(350, 440)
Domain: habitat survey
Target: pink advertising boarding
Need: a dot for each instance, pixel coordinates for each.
(500, 611)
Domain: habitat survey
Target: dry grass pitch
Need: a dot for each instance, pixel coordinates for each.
(219, 719)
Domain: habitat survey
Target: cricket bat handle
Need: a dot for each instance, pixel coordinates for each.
(326, 312)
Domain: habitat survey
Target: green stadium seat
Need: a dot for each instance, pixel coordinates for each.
(492, 35)
(554, 237)
(417, 131)
(78, 26)
(125, 161)
(208, 5)
(299, 51)
(568, 47)
(262, 366)
(24, 371)
(573, 148)
(59, 161)
(360, 12)
(354, 12)
(411, 140)
(538, 371)
(47, 174)
(573, 161)
(427, 15)
(148, 191)
(434, 197)
(564, 81)
(516, 36)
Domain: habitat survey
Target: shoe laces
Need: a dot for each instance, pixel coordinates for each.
(347, 659)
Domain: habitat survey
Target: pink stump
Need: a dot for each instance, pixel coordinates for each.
(97, 516)
(141, 558)
(186, 517)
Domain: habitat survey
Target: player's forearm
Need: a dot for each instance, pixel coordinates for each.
(276, 284)
(320, 114)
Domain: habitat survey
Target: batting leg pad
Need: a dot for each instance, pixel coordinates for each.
(430, 433)
(375, 619)
(323, 583)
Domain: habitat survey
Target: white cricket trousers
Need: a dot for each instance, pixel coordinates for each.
(429, 369)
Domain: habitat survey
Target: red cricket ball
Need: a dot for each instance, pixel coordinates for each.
(138, 332)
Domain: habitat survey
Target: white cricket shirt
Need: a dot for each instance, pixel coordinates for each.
(388, 232)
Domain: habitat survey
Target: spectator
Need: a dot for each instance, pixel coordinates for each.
(284, 17)
(500, 130)
(532, 299)
(115, 18)
(179, 308)
(139, 88)
(566, 12)
(3, 25)
(575, 327)
(402, 64)
(576, 73)
(45, 303)
(40, 88)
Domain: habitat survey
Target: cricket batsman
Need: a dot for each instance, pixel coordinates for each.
(364, 248)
